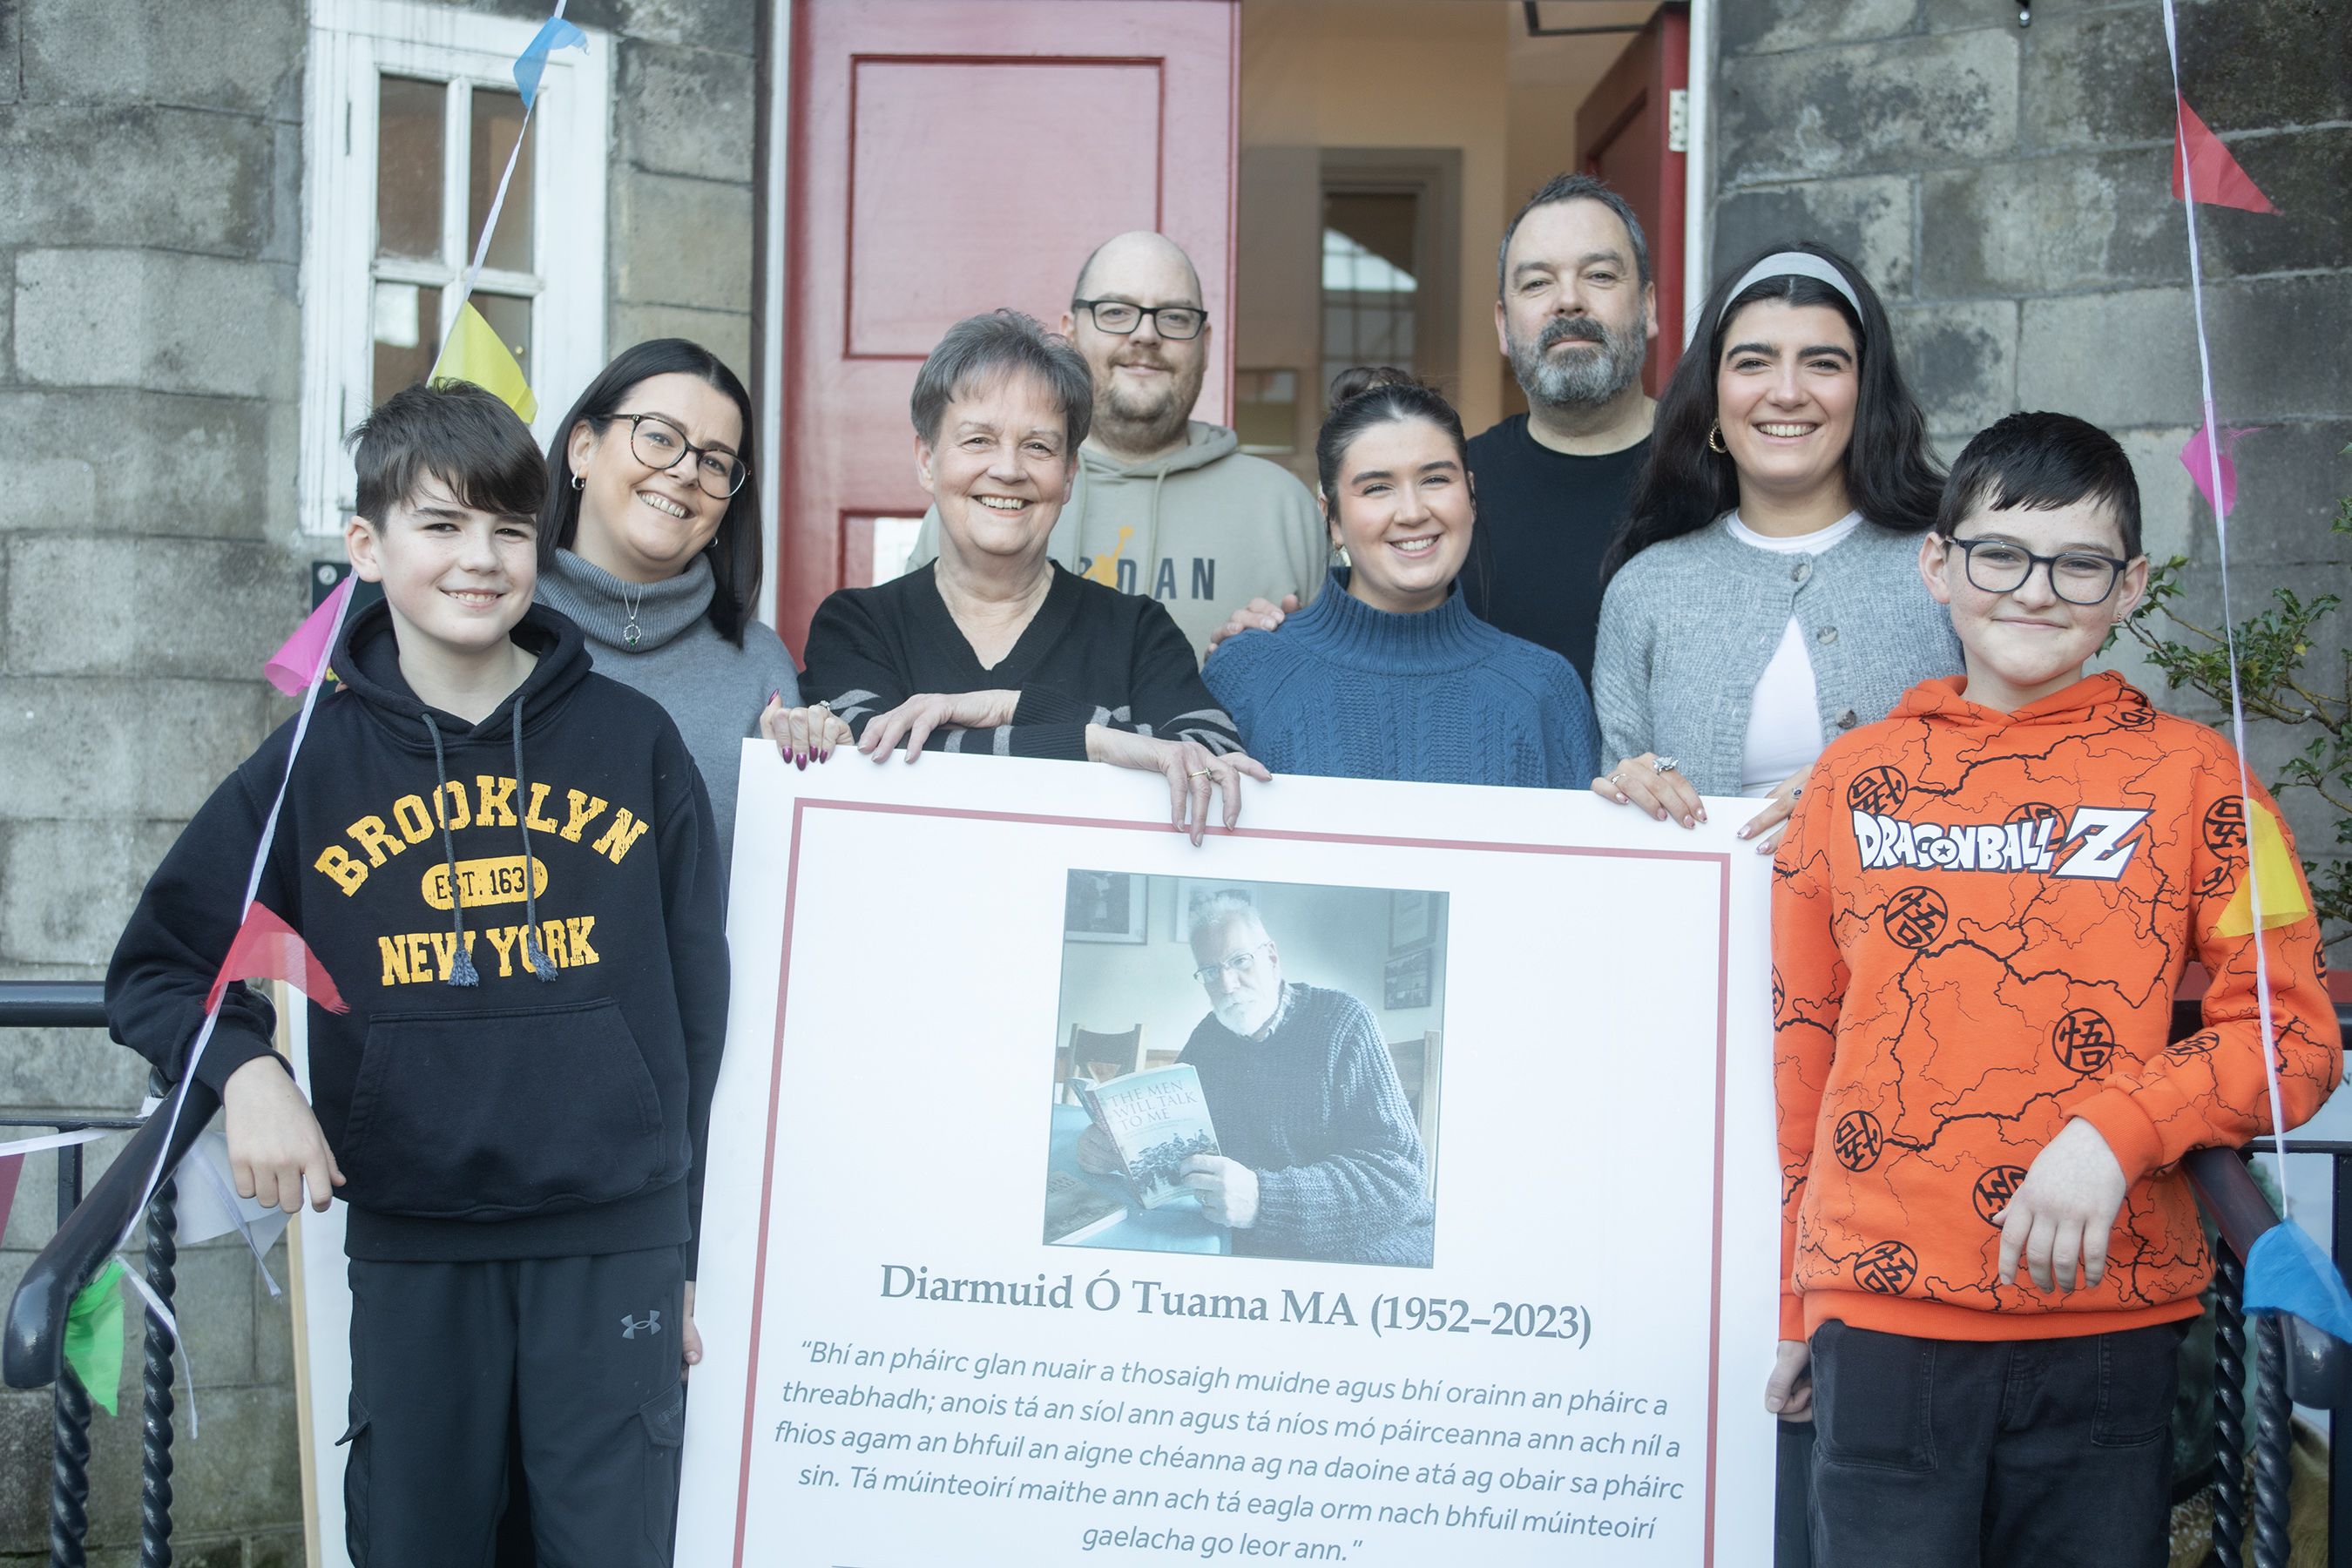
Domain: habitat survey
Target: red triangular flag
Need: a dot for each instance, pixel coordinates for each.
(2219, 180)
(267, 948)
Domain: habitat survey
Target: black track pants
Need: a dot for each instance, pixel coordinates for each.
(582, 1352)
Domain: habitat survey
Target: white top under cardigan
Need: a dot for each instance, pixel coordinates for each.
(1784, 720)
(1688, 626)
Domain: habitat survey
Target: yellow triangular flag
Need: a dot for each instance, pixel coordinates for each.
(474, 353)
(2284, 898)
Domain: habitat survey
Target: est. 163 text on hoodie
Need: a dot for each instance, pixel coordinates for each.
(554, 1106)
(1979, 922)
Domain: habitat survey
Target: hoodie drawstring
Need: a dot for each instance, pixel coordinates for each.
(461, 963)
(535, 956)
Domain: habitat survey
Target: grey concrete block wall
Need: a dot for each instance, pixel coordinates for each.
(2008, 190)
(151, 557)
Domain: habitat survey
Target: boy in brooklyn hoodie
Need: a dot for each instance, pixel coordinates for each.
(1980, 913)
(507, 864)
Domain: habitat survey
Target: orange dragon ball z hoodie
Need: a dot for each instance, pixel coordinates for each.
(1979, 922)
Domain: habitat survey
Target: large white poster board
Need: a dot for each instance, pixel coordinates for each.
(901, 1370)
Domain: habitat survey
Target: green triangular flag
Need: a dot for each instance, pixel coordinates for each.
(94, 1335)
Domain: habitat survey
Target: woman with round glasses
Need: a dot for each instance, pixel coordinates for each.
(1762, 596)
(650, 542)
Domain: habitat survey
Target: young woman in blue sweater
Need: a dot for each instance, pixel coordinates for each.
(1392, 677)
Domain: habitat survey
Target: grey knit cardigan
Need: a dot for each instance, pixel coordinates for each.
(1688, 625)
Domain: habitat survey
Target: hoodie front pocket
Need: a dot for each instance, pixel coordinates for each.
(490, 1115)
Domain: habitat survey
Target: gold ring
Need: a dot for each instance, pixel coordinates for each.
(1204, 773)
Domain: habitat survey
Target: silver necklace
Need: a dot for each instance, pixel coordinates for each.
(631, 635)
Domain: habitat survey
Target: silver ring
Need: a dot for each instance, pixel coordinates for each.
(1663, 766)
(824, 706)
(1617, 779)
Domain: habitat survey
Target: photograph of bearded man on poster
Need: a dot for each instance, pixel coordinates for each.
(1319, 1146)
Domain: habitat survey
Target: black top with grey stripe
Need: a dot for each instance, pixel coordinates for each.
(1091, 655)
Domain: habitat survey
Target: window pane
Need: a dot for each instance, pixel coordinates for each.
(1265, 409)
(408, 166)
(510, 319)
(407, 336)
(498, 120)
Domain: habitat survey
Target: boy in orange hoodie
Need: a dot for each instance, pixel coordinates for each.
(1981, 914)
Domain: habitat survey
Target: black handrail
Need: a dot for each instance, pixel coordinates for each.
(32, 1340)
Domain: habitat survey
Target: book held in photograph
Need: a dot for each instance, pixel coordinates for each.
(1157, 1120)
(1075, 1211)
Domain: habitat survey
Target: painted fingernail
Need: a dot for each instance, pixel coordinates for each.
(1660, 813)
(1741, 832)
(799, 761)
(775, 697)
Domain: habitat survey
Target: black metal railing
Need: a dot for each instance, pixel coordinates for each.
(32, 1344)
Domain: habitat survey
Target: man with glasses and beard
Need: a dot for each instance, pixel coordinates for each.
(1164, 504)
(1574, 315)
(1319, 1159)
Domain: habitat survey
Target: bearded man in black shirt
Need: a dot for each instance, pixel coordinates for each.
(1575, 312)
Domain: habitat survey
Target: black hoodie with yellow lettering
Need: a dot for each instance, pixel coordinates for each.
(524, 917)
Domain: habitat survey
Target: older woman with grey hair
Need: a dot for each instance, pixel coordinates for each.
(994, 648)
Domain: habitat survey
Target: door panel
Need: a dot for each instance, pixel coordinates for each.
(948, 158)
(1623, 129)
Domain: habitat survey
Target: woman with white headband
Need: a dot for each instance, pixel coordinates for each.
(1763, 595)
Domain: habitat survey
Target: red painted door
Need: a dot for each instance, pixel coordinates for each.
(951, 156)
(1625, 128)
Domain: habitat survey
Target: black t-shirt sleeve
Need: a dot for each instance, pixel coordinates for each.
(851, 663)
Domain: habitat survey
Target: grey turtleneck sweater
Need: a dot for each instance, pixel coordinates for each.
(712, 689)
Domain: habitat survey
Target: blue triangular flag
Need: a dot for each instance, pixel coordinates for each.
(555, 34)
(2287, 1272)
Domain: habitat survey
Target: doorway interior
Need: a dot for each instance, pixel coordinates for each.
(1384, 143)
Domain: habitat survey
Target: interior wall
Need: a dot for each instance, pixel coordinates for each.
(1460, 74)
(1365, 73)
(1335, 937)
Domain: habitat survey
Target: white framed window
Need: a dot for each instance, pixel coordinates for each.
(411, 111)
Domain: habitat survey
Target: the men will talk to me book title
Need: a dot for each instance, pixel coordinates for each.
(1157, 1120)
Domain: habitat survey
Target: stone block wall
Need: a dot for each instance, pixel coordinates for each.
(151, 191)
(2008, 191)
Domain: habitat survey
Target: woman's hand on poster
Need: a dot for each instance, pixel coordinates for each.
(1773, 820)
(1788, 1391)
(2059, 1219)
(275, 1145)
(1227, 1189)
(690, 1342)
(1098, 1156)
(802, 735)
(1195, 774)
(1654, 784)
(913, 720)
(1257, 616)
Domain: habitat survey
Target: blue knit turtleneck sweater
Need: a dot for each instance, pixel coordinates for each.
(1349, 691)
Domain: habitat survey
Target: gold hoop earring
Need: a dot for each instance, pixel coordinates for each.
(1715, 440)
(1344, 560)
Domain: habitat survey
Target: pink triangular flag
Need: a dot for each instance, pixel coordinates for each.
(295, 665)
(10, 1168)
(2217, 179)
(267, 948)
(2198, 458)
